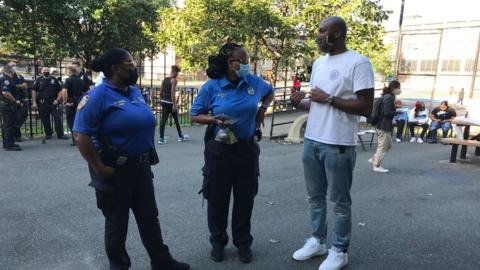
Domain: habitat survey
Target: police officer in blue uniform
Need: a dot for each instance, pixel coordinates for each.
(9, 108)
(87, 80)
(114, 130)
(231, 157)
(73, 88)
(20, 88)
(47, 96)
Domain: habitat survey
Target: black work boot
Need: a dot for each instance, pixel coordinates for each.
(245, 254)
(217, 253)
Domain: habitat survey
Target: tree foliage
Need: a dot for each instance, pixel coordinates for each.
(280, 30)
(79, 28)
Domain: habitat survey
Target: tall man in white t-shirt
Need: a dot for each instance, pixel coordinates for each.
(342, 89)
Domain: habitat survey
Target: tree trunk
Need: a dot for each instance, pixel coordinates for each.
(256, 57)
(275, 64)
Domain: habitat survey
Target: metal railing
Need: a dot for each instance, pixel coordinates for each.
(281, 104)
(33, 127)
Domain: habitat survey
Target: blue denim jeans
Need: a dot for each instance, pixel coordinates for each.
(329, 167)
(445, 126)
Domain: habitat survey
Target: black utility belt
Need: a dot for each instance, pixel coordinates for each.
(43, 100)
(246, 141)
(250, 140)
(113, 158)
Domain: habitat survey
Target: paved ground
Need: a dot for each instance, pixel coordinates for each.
(425, 214)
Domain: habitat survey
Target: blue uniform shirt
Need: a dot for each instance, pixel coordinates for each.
(7, 84)
(220, 96)
(124, 119)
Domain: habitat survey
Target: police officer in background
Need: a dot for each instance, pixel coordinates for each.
(231, 160)
(9, 107)
(114, 129)
(73, 89)
(20, 87)
(87, 80)
(47, 96)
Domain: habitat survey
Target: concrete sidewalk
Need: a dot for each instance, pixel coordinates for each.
(424, 214)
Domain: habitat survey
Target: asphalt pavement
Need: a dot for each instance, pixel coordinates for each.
(424, 214)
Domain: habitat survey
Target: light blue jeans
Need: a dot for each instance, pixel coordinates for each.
(329, 167)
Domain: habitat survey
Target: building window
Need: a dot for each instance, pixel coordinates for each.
(428, 65)
(408, 66)
(451, 65)
(469, 65)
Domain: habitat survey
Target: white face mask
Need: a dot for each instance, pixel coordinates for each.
(14, 69)
(397, 92)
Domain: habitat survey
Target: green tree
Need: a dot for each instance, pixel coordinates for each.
(280, 30)
(365, 31)
(80, 28)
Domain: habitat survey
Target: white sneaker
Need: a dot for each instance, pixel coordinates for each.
(413, 139)
(184, 138)
(380, 169)
(334, 261)
(312, 248)
(398, 140)
(370, 160)
(419, 140)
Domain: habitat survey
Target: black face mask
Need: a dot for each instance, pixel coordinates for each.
(46, 74)
(132, 77)
(326, 43)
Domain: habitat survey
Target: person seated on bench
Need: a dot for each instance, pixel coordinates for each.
(418, 117)
(441, 118)
(400, 119)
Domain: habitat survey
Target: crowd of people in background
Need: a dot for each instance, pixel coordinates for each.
(47, 94)
(392, 115)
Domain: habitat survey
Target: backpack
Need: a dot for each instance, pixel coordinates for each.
(375, 116)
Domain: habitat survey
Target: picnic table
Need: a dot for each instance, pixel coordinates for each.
(463, 137)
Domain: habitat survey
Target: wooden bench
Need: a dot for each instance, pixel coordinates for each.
(456, 142)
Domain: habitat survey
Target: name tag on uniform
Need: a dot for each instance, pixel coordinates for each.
(250, 91)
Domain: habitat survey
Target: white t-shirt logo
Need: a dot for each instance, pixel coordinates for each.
(334, 75)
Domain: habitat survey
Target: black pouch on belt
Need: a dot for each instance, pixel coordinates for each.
(153, 157)
(209, 132)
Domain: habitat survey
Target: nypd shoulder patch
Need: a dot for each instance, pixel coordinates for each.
(82, 102)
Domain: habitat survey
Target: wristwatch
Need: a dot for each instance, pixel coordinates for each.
(330, 99)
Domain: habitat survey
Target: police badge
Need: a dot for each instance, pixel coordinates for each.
(250, 91)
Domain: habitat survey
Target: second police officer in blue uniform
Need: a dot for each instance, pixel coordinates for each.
(20, 88)
(114, 130)
(47, 96)
(231, 150)
(73, 88)
(9, 108)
